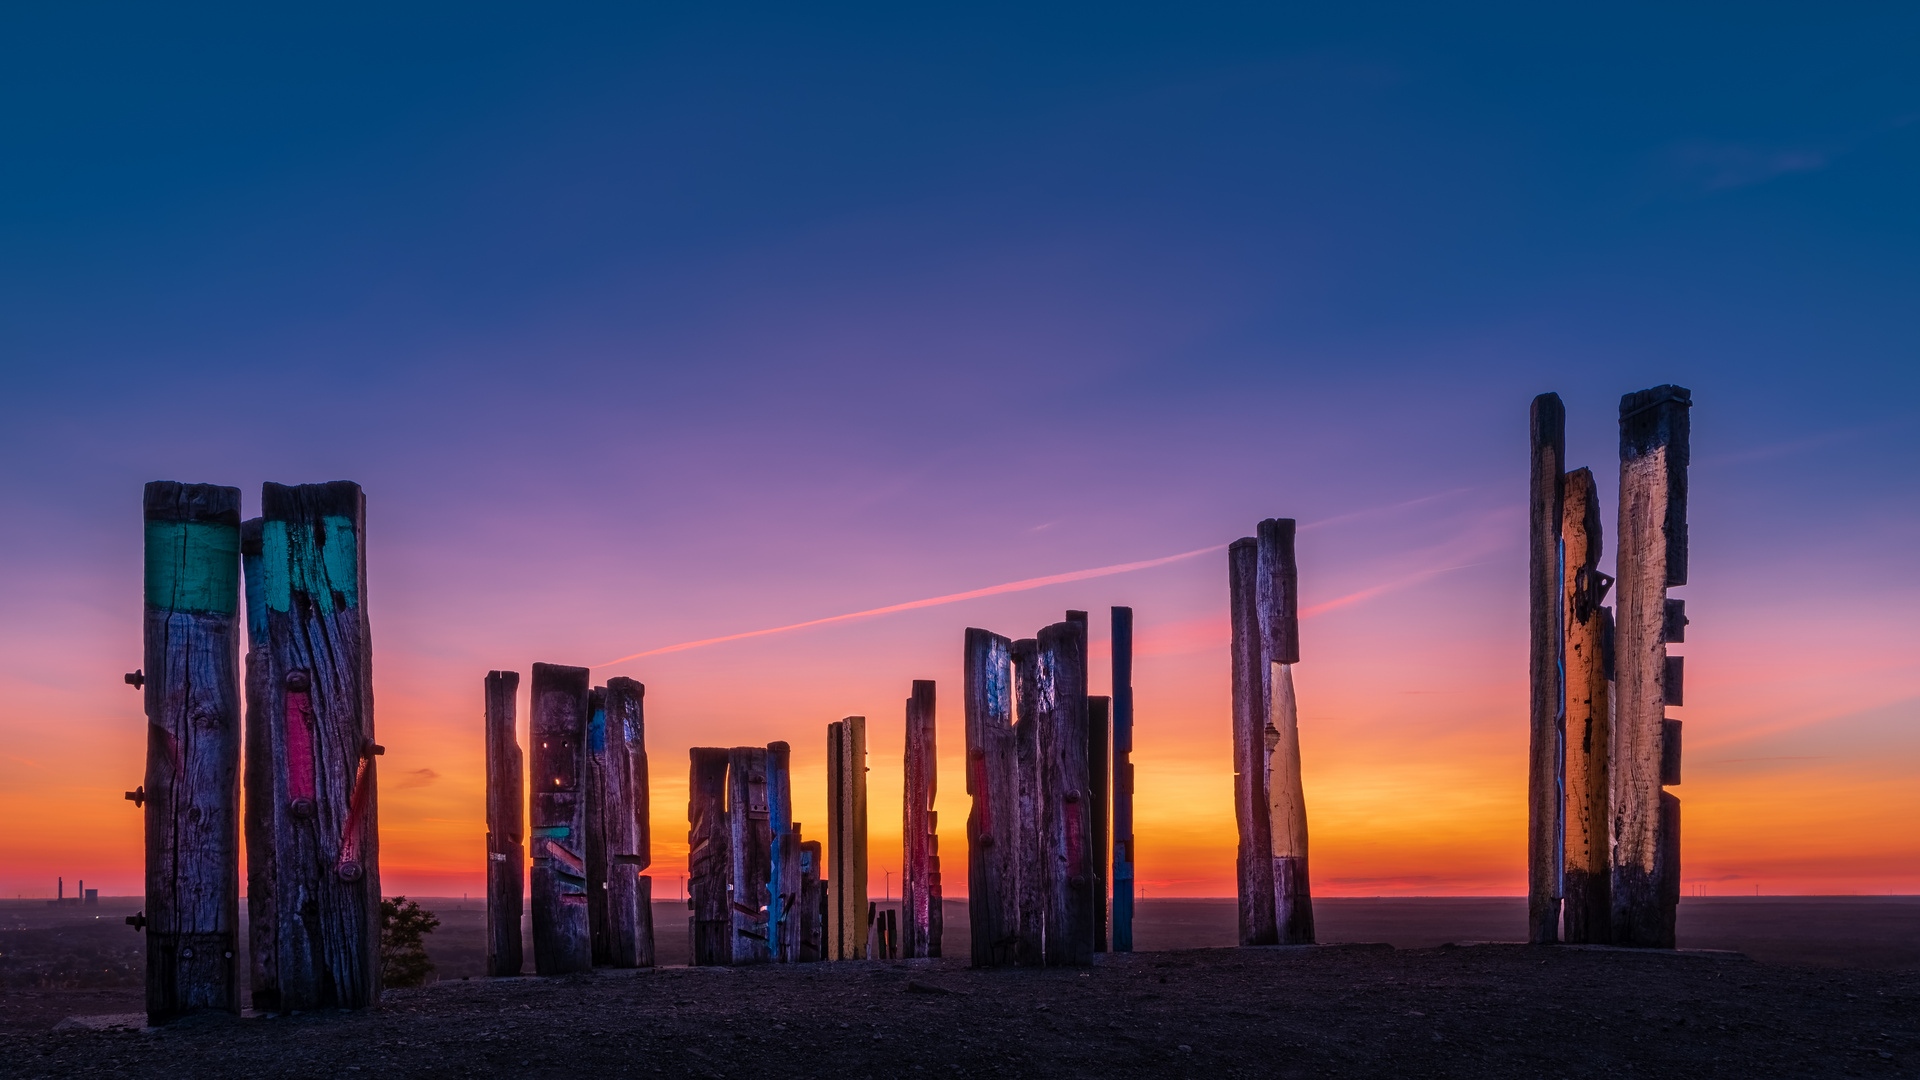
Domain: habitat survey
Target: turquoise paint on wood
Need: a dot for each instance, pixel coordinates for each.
(193, 566)
(325, 570)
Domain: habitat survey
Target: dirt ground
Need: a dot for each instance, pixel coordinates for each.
(1418, 1010)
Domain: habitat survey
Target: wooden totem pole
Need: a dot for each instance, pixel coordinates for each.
(562, 935)
(920, 850)
(1586, 913)
(1251, 802)
(506, 831)
(1066, 831)
(750, 852)
(1654, 430)
(1122, 779)
(786, 885)
(191, 791)
(847, 837)
(1277, 591)
(709, 840)
(619, 837)
(1546, 726)
(993, 780)
(313, 857)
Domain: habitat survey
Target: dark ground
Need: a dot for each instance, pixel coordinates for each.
(1418, 1010)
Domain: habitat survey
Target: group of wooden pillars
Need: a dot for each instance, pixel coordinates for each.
(1038, 769)
(1276, 903)
(1603, 851)
(311, 832)
(753, 883)
(590, 837)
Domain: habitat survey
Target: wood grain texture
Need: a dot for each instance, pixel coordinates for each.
(751, 852)
(618, 847)
(1252, 861)
(1099, 796)
(1277, 590)
(847, 836)
(313, 778)
(813, 903)
(1066, 831)
(1652, 556)
(557, 729)
(1122, 779)
(595, 812)
(783, 872)
(992, 779)
(709, 840)
(1030, 882)
(259, 823)
(1287, 816)
(192, 693)
(1586, 914)
(916, 848)
(1546, 715)
(506, 829)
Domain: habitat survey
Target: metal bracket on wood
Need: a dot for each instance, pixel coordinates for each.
(138, 922)
(135, 678)
(138, 796)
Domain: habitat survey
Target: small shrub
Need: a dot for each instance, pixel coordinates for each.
(404, 926)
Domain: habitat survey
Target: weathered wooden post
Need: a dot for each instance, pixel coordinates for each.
(1099, 766)
(751, 851)
(918, 901)
(1030, 880)
(1277, 595)
(1586, 914)
(1065, 832)
(847, 836)
(783, 881)
(993, 866)
(562, 938)
(619, 898)
(191, 791)
(709, 843)
(1654, 451)
(813, 904)
(1547, 717)
(506, 835)
(313, 837)
(1123, 779)
(1252, 808)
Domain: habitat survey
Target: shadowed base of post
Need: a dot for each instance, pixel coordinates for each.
(1292, 900)
(1588, 909)
(1645, 904)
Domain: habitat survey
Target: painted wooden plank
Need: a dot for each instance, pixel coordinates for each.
(1546, 699)
(992, 782)
(847, 836)
(1586, 917)
(1099, 794)
(617, 841)
(917, 902)
(1654, 452)
(506, 831)
(751, 853)
(783, 881)
(1122, 621)
(812, 915)
(1030, 882)
(192, 691)
(709, 841)
(1065, 829)
(1253, 863)
(559, 712)
(313, 778)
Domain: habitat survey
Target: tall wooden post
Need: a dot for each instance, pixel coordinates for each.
(1546, 713)
(1099, 772)
(751, 851)
(709, 858)
(506, 834)
(562, 940)
(847, 836)
(1654, 451)
(918, 901)
(783, 881)
(813, 905)
(193, 749)
(618, 846)
(1029, 846)
(993, 781)
(1586, 914)
(1252, 812)
(1277, 592)
(312, 793)
(1065, 832)
(1123, 779)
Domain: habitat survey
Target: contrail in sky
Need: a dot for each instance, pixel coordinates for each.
(932, 601)
(1041, 582)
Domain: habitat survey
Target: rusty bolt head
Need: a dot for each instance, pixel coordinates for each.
(301, 808)
(299, 682)
(1073, 796)
(350, 871)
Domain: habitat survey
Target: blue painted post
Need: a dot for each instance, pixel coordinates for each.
(783, 877)
(1123, 779)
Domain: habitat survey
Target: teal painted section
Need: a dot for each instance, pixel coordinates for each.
(291, 561)
(251, 569)
(193, 566)
(558, 832)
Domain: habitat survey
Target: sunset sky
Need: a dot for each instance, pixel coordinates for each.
(642, 326)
